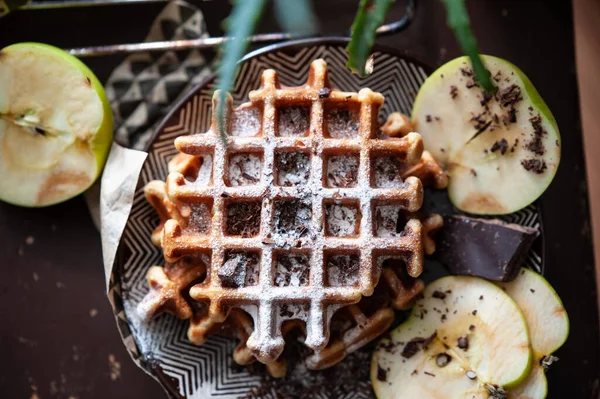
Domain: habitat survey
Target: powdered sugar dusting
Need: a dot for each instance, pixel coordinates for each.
(342, 270)
(342, 220)
(245, 122)
(342, 170)
(386, 172)
(292, 270)
(293, 121)
(292, 168)
(341, 123)
(386, 221)
(293, 311)
(199, 220)
(244, 169)
(292, 218)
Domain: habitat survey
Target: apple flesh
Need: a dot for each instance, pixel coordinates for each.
(466, 338)
(548, 328)
(55, 125)
(501, 151)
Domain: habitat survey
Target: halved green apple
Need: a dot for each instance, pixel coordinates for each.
(55, 125)
(466, 338)
(548, 328)
(501, 151)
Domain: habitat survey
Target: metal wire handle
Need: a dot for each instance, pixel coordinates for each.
(202, 43)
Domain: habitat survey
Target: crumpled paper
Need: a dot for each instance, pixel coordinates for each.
(118, 185)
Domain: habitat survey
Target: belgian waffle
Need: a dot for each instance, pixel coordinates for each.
(263, 213)
(351, 327)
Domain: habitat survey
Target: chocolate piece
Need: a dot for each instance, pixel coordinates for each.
(233, 273)
(485, 248)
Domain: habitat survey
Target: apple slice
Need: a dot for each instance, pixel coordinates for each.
(466, 338)
(501, 151)
(548, 328)
(55, 125)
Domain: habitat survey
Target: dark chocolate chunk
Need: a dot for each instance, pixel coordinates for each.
(534, 165)
(233, 272)
(324, 92)
(485, 248)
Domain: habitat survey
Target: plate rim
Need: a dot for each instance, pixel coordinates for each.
(154, 369)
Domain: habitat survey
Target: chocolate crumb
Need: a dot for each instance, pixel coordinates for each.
(40, 131)
(510, 95)
(428, 118)
(429, 374)
(498, 76)
(485, 98)
(438, 295)
(415, 372)
(474, 313)
(532, 290)
(463, 343)
(453, 91)
(471, 327)
(534, 165)
(481, 298)
(501, 145)
(536, 145)
(466, 72)
(437, 118)
(442, 150)
(324, 92)
(443, 318)
(381, 373)
(471, 83)
(473, 172)
(442, 360)
(415, 344)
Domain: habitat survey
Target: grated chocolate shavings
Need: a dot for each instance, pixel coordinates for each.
(501, 145)
(536, 166)
(438, 295)
(453, 91)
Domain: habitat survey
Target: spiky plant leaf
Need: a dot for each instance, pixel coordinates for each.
(370, 16)
(239, 25)
(296, 16)
(458, 21)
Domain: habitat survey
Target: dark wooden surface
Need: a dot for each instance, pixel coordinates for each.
(57, 332)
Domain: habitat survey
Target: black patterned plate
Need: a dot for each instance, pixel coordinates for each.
(161, 347)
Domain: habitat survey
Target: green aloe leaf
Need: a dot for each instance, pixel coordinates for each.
(239, 25)
(370, 16)
(458, 21)
(296, 16)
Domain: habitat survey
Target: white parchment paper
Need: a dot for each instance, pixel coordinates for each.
(117, 189)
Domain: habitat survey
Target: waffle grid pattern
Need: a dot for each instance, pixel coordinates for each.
(263, 301)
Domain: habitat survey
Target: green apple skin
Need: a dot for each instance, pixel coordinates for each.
(548, 324)
(482, 182)
(499, 346)
(98, 143)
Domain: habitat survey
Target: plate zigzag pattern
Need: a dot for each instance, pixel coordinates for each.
(209, 371)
